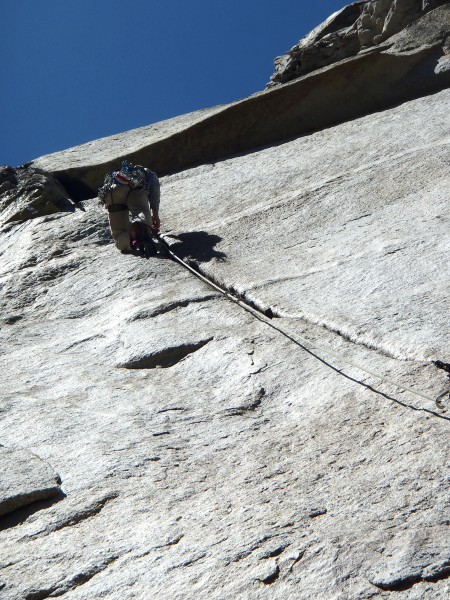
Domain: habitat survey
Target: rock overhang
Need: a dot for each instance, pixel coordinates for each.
(410, 64)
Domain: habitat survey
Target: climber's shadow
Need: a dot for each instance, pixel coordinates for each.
(197, 245)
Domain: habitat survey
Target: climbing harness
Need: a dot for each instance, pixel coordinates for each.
(116, 207)
(306, 344)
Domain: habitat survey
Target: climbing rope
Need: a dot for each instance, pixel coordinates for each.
(306, 344)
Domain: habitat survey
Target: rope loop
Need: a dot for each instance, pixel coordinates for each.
(438, 400)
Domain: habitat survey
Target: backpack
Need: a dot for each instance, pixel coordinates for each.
(135, 174)
(132, 176)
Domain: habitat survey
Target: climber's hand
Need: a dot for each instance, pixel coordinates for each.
(156, 223)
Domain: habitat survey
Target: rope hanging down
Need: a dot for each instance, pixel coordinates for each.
(306, 343)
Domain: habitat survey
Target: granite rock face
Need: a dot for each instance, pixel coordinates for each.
(382, 18)
(333, 40)
(27, 193)
(204, 454)
(25, 479)
(160, 439)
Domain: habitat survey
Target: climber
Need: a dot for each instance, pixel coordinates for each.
(132, 191)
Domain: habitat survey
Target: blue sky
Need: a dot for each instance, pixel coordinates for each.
(77, 70)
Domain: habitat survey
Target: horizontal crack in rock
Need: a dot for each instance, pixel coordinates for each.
(165, 358)
(398, 585)
(188, 562)
(402, 584)
(21, 514)
(172, 542)
(275, 552)
(165, 308)
(254, 546)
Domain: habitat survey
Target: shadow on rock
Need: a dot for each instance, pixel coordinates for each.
(20, 515)
(197, 245)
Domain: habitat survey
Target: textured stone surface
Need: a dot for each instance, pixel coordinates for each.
(27, 193)
(380, 19)
(356, 27)
(202, 453)
(430, 30)
(347, 223)
(333, 40)
(24, 478)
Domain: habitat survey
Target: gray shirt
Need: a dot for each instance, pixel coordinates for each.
(153, 188)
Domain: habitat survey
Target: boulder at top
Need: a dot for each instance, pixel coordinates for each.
(356, 27)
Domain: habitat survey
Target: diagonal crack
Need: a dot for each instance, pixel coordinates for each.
(73, 582)
(81, 515)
